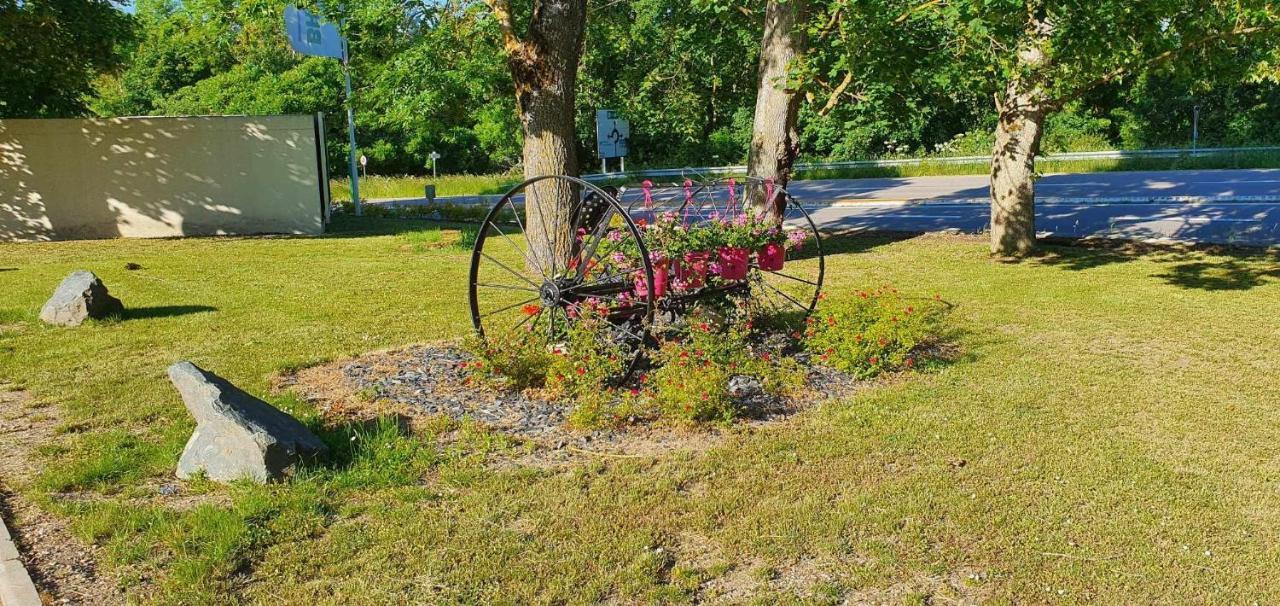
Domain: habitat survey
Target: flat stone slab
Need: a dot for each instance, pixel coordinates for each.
(79, 297)
(238, 436)
(16, 588)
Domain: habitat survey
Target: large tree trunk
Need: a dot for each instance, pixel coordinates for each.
(775, 137)
(1013, 186)
(544, 68)
(1022, 110)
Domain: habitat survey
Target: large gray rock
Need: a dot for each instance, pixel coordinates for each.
(80, 296)
(237, 435)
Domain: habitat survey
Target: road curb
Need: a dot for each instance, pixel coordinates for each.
(16, 588)
(810, 203)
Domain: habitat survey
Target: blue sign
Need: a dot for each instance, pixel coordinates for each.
(311, 36)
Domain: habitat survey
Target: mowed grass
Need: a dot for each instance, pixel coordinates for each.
(1108, 434)
(465, 185)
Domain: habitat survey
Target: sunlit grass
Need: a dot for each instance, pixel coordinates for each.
(1108, 434)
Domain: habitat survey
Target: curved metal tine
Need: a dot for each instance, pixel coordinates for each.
(602, 280)
(505, 287)
(524, 254)
(512, 271)
(597, 234)
(551, 324)
(512, 306)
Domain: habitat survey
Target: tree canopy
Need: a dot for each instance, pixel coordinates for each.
(881, 77)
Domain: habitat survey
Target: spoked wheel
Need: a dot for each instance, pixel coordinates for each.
(551, 250)
(788, 293)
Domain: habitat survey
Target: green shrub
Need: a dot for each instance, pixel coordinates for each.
(873, 332)
(521, 362)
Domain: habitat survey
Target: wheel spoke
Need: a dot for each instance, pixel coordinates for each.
(786, 296)
(506, 287)
(789, 277)
(523, 253)
(513, 272)
(513, 305)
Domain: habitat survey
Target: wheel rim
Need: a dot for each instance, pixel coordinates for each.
(512, 288)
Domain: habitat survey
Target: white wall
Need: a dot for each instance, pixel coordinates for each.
(159, 177)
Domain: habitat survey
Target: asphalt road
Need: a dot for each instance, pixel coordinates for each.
(1212, 206)
(1153, 186)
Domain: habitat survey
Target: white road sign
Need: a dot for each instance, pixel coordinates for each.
(612, 133)
(311, 36)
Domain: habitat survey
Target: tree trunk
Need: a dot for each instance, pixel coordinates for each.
(1022, 110)
(1013, 186)
(544, 69)
(775, 138)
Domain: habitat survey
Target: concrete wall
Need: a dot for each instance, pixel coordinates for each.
(159, 177)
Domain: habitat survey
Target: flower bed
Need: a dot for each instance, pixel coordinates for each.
(713, 361)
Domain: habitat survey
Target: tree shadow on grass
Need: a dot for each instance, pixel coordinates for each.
(851, 242)
(163, 311)
(1192, 266)
(8, 269)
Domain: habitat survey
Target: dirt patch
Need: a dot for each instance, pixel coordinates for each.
(424, 383)
(64, 569)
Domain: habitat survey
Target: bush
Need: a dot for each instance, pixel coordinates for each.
(873, 332)
(692, 380)
(522, 362)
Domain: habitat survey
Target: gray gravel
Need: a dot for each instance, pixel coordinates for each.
(430, 379)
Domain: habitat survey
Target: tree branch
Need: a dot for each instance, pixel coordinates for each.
(834, 98)
(1159, 59)
(502, 12)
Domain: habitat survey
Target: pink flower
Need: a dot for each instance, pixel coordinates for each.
(614, 235)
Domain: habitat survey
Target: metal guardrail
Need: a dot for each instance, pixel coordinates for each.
(693, 172)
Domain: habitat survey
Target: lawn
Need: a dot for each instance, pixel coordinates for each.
(1109, 434)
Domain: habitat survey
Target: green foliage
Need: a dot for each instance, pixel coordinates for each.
(877, 331)
(520, 362)
(52, 51)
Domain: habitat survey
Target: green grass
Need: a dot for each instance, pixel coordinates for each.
(1108, 435)
(460, 185)
(412, 187)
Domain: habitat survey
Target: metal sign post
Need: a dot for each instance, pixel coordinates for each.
(310, 36)
(434, 156)
(612, 135)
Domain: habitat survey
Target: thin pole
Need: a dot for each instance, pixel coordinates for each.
(351, 135)
(1195, 127)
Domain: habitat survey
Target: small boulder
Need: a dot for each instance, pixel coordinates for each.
(237, 436)
(80, 296)
(742, 387)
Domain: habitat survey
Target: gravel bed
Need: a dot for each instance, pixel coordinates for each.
(430, 379)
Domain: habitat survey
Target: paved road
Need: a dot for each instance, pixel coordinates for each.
(1245, 223)
(1193, 185)
(1214, 206)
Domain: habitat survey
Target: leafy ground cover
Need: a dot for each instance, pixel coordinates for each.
(1108, 434)
(459, 185)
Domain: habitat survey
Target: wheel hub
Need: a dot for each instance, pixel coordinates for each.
(549, 294)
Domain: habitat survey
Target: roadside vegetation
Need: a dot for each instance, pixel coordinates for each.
(1106, 433)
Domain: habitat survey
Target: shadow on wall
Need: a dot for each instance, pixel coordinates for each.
(158, 177)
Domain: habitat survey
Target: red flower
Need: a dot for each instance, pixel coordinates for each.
(911, 362)
(910, 308)
(765, 356)
(883, 342)
(858, 338)
(874, 360)
(704, 327)
(530, 309)
(684, 354)
(831, 320)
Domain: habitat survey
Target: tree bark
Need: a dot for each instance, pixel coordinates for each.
(1013, 186)
(544, 69)
(775, 137)
(1022, 110)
